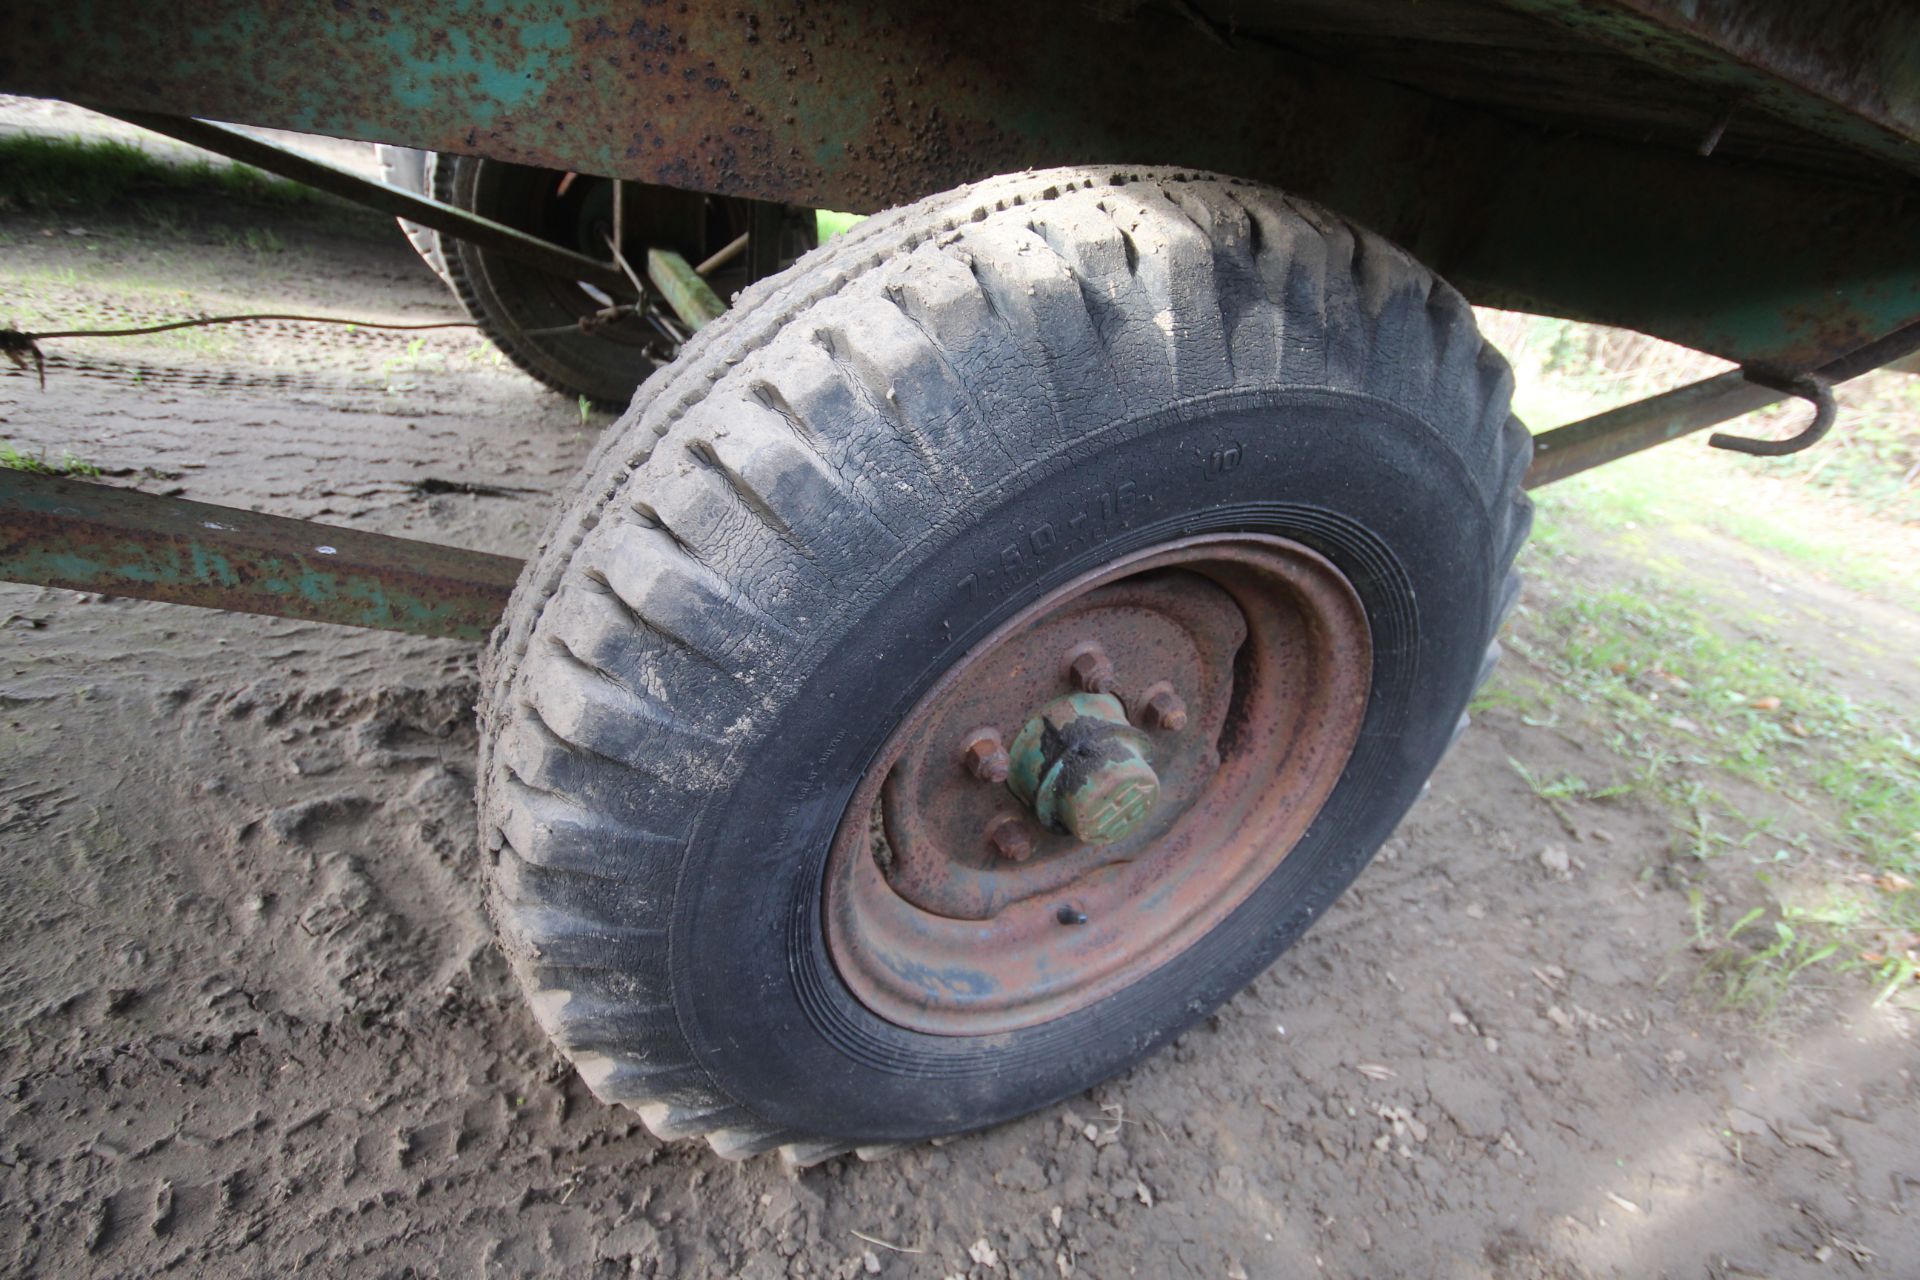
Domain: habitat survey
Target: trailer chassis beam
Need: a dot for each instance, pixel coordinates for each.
(93, 537)
(1617, 433)
(532, 251)
(860, 104)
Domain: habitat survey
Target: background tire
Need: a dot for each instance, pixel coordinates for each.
(412, 170)
(529, 314)
(764, 570)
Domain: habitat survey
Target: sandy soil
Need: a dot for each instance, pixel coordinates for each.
(254, 1021)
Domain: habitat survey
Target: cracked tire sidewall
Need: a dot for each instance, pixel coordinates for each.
(689, 680)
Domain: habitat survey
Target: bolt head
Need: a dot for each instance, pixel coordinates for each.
(1165, 710)
(987, 758)
(1092, 671)
(1010, 838)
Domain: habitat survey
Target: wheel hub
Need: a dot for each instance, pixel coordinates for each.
(1096, 785)
(1084, 770)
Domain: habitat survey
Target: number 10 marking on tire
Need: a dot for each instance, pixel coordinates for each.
(1223, 460)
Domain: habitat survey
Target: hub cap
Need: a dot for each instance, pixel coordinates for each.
(1173, 722)
(1083, 769)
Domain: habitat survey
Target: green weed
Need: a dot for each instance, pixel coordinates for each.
(1568, 786)
(260, 241)
(1756, 972)
(14, 459)
(410, 359)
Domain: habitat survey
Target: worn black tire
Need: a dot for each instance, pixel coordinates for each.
(526, 312)
(757, 578)
(518, 307)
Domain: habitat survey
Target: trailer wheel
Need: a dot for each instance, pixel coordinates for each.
(987, 650)
(534, 317)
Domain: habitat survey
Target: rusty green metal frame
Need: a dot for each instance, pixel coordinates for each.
(92, 537)
(1617, 433)
(498, 237)
(683, 289)
(856, 105)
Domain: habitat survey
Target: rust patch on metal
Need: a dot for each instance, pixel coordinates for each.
(933, 922)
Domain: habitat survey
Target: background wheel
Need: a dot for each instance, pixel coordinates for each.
(1186, 508)
(532, 315)
(412, 170)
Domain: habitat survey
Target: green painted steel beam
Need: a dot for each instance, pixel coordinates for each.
(508, 242)
(90, 537)
(690, 296)
(858, 105)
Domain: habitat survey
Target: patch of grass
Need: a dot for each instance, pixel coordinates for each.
(68, 465)
(82, 175)
(827, 224)
(483, 352)
(1684, 487)
(1754, 753)
(1528, 698)
(1568, 786)
(1647, 660)
(1761, 956)
(260, 241)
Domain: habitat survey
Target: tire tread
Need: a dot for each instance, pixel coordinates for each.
(749, 487)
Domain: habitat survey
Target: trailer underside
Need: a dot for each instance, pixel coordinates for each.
(1544, 155)
(1735, 178)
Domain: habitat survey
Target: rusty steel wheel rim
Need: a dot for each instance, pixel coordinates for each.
(1098, 784)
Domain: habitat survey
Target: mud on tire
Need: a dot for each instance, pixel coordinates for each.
(761, 572)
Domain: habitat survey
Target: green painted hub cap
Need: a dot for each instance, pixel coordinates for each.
(1083, 769)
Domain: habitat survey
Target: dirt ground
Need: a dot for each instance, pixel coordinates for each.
(254, 1022)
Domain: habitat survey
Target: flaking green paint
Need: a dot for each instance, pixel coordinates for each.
(287, 586)
(437, 57)
(892, 101)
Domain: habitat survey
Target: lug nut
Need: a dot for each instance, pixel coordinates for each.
(1091, 669)
(986, 757)
(1009, 838)
(1163, 709)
